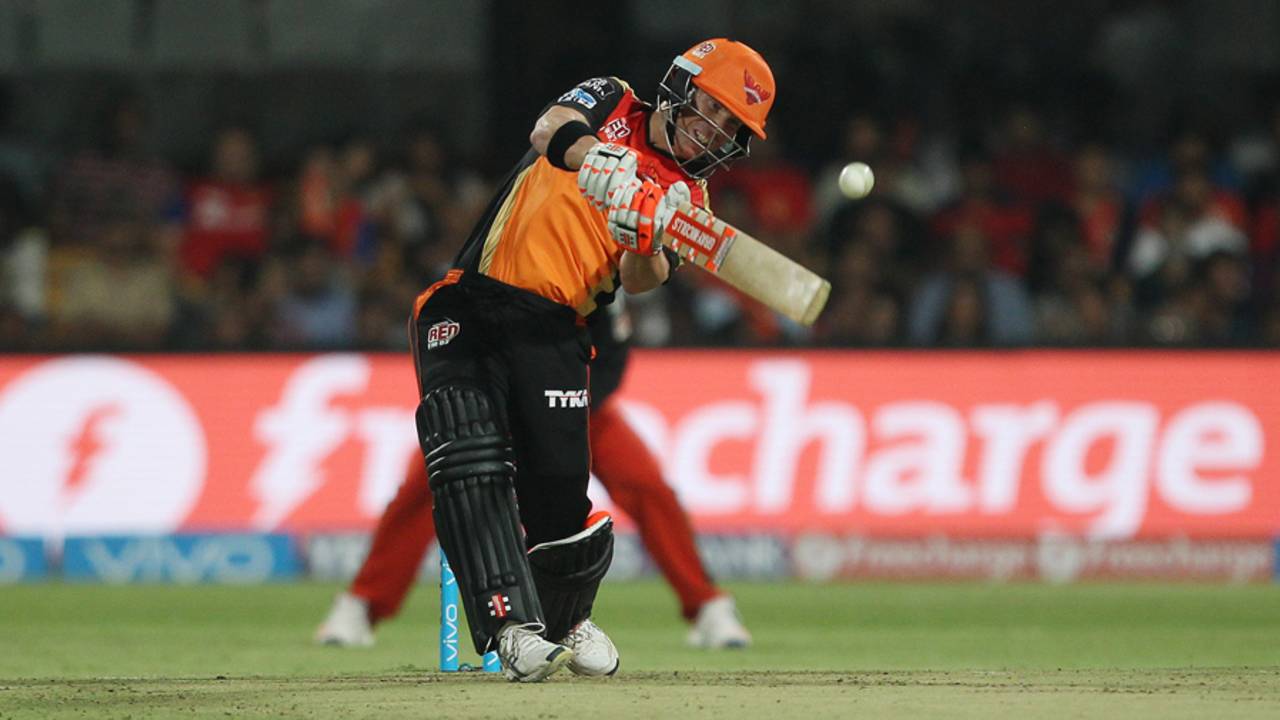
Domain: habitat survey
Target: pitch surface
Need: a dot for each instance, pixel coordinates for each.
(873, 650)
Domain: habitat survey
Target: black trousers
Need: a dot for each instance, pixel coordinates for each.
(530, 356)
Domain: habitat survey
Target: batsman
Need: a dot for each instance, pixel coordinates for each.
(501, 345)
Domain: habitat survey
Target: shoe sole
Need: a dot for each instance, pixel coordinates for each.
(580, 673)
(559, 660)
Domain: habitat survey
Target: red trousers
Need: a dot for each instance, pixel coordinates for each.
(625, 467)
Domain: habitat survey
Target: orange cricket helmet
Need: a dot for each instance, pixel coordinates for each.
(735, 76)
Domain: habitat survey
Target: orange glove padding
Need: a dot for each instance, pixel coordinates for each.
(640, 210)
(631, 216)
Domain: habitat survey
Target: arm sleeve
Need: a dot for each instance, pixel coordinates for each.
(596, 98)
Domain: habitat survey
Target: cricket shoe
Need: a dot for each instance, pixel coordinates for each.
(347, 624)
(594, 654)
(527, 656)
(719, 626)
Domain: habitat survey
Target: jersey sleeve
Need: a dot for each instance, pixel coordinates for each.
(596, 98)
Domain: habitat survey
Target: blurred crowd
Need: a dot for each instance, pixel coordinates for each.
(1019, 236)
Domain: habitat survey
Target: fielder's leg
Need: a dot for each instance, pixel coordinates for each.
(399, 543)
(631, 475)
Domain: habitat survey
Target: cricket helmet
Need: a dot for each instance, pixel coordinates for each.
(735, 76)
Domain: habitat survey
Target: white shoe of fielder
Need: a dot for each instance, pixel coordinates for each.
(594, 654)
(527, 656)
(347, 624)
(718, 625)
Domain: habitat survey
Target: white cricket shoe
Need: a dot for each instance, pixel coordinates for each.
(594, 654)
(527, 656)
(718, 626)
(347, 624)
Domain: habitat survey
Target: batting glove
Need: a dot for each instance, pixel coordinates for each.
(638, 212)
(605, 168)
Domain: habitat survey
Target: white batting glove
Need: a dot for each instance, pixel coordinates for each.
(677, 195)
(605, 168)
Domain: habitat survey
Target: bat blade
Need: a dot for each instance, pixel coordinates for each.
(747, 264)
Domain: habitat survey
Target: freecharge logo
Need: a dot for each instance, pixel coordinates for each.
(96, 444)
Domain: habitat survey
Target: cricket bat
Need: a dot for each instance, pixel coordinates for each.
(747, 264)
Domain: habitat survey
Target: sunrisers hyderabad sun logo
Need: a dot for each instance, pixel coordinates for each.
(755, 92)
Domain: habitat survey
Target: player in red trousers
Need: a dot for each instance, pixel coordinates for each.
(628, 471)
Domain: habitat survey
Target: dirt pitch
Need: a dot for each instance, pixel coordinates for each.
(829, 651)
(1167, 694)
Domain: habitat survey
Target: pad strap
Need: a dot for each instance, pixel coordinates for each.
(568, 574)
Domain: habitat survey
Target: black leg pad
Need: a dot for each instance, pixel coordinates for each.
(472, 475)
(568, 574)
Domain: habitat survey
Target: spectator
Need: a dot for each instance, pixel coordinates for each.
(117, 174)
(236, 309)
(1006, 225)
(227, 211)
(1098, 204)
(1025, 167)
(317, 307)
(1188, 225)
(1225, 317)
(117, 294)
(417, 210)
(1190, 151)
(331, 205)
(1075, 308)
(1255, 154)
(409, 202)
(778, 194)
(892, 233)
(863, 141)
(1264, 240)
(970, 300)
(862, 311)
(965, 320)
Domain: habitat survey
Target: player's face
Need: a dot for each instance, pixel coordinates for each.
(707, 125)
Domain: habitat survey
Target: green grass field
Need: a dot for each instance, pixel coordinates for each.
(865, 650)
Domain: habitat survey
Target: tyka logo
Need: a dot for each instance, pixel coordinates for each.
(703, 50)
(442, 333)
(566, 398)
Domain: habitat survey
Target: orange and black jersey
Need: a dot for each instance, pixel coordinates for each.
(540, 234)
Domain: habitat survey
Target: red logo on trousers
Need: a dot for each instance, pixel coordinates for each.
(441, 333)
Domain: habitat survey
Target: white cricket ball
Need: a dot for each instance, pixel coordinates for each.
(856, 180)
